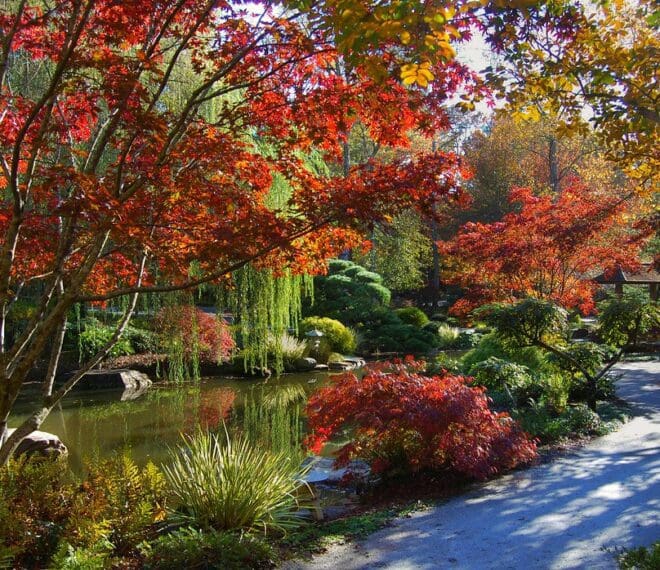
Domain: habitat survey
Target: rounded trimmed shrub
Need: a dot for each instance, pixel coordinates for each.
(412, 316)
(340, 338)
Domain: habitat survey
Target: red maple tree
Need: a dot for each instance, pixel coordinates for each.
(549, 249)
(137, 137)
(403, 421)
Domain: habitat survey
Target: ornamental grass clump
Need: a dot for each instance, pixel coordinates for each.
(228, 483)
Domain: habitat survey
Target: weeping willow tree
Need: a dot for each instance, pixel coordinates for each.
(265, 306)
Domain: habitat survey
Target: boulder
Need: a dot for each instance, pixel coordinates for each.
(43, 443)
(305, 364)
(129, 381)
(323, 472)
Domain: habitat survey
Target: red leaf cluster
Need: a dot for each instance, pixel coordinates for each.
(404, 421)
(197, 331)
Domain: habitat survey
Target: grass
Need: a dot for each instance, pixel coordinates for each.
(312, 539)
(230, 483)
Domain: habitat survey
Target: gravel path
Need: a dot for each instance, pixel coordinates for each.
(553, 516)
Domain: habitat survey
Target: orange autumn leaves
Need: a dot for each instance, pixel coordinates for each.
(549, 249)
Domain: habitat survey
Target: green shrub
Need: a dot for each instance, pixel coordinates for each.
(348, 293)
(365, 276)
(432, 326)
(339, 337)
(591, 358)
(339, 265)
(383, 331)
(94, 338)
(288, 347)
(141, 340)
(191, 548)
(549, 427)
(580, 390)
(442, 363)
(556, 389)
(582, 420)
(513, 379)
(623, 320)
(641, 558)
(230, 483)
(412, 316)
(490, 345)
(587, 355)
(336, 357)
(467, 340)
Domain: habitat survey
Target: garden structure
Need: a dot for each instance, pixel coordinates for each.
(646, 275)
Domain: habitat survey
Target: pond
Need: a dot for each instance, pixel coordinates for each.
(97, 423)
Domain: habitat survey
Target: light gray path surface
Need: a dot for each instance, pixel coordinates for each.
(553, 516)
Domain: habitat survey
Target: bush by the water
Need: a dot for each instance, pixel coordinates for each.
(94, 338)
(339, 337)
(288, 348)
(227, 483)
(194, 334)
(406, 422)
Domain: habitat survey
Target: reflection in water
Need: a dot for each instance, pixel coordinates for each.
(98, 423)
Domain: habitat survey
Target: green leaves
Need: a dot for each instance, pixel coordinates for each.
(623, 319)
(228, 483)
(528, 322)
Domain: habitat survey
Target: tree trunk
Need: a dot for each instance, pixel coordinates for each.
(553, 165)
(435, 276)
(3, 432)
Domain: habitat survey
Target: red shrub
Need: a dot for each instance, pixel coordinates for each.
(404, 421)
(195, 329)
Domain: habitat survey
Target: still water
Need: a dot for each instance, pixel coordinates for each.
(98, 423)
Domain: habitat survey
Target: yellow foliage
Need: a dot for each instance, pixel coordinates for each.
(414, 73)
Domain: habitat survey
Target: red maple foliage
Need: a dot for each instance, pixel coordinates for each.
(550, 248)
(140, 136)
(403, 421)
(200, 333)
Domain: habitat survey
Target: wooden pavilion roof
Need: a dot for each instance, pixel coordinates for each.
(647, 274)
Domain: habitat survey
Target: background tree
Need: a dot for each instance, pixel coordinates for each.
(534, 322)
(603, 56)
(549, 249)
